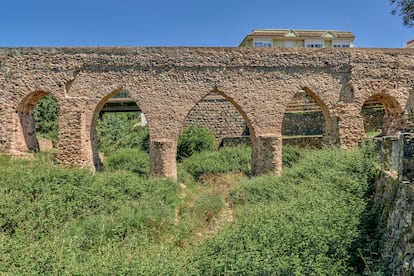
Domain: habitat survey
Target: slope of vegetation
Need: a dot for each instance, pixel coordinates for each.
(316, 219)
(308, 222)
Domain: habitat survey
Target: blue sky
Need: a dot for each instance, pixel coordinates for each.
(190, 22)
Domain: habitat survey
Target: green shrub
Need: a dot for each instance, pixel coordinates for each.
(46, 117)
(133, 160)
(236, 158)
(121, 130)
(291, 155)
(309, 221)
(302, 223)
(223, 160)
(136, 137)
(69, 221)
(209, 205)
(195, 139)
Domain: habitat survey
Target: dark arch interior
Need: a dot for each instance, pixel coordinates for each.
(221, 117)
(303, 122)
(382, 115)
(373, 114)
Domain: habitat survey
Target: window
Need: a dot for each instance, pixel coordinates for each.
(314, 44)
(341, 44)
(262, 43)
(289, 44)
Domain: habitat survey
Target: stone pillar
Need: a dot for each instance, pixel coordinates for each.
(163, 158)
(350, 126)
(6, 130)
(74, 137)
(267, 154)
(27, 140)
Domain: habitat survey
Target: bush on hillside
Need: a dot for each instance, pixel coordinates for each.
(133, 160)
(56, 220)
(195, 139)
(306, 222)
(302, 223)
(291, 155)
(225, 159)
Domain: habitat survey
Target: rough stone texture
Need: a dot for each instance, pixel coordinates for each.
(395, 193)
(303, 123)
(373, 118)
(167, 83)
(219, 116)
(163, 154)
(397, 242)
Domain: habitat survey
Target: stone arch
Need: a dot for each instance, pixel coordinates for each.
(233, 102)
(330, 131)
(25, 134)
(244, 117)
(219, 114)
(327, 123)
(97, 162)
(393, 120)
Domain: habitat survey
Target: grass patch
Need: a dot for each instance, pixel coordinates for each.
(372, 134)
(134, 160)
(225, 159)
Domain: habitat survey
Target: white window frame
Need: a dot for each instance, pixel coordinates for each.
(341, 44)
(314, 43)
(262, 42)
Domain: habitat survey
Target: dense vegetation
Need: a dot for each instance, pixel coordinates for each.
(316, 219)
(307, 222)
(121, 131)
(46, 117)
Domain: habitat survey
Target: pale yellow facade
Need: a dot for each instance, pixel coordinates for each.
(410, 44)
(298, 39)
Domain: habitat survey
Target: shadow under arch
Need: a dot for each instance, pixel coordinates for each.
(26, 139)
(221, 115)
(234, 126)
(97, 113)
(392, 119)
(327, 126)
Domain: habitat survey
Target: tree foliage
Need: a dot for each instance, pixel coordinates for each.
(121, 130)
(46, 116)
(405, 9)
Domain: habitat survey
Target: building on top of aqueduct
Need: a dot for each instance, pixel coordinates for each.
(312, 88)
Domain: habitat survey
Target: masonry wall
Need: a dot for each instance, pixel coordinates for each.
(394, 198)
(219, 116)
(303, 117)
(167, 83)
(373, 118)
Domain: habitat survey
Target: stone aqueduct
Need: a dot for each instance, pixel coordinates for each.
(167, 83)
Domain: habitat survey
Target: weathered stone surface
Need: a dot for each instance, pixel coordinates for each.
(167, 83)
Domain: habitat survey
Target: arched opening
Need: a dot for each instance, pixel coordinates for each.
(382, 115)
(225, 120)
(39, 122)
(118, 123)
(220, 116)
(306, 121)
